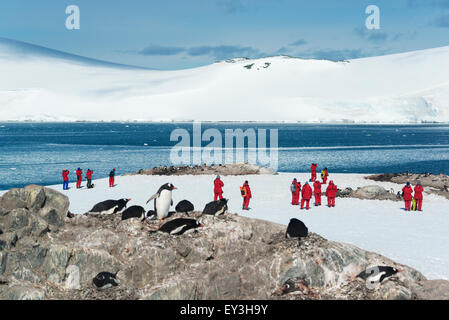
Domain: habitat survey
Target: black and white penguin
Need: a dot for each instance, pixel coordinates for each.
(377, 274)
(295, 284)
(70, 215)
(110, 206)
(105, 280)
(216, 207)
(163, 200)
(180, 226)
(134, 212)
(184, 206)
(296, 229)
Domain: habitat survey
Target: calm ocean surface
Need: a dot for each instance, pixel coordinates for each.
(37, 152)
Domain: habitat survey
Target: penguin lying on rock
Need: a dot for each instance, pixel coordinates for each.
(134, 212)
(377, 274)
(179, 226)
(110, 206)
(216, 208)
(296, 229)
(105, 280)
(295, 284)
(184, 206)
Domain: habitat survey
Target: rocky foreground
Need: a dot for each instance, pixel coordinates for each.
(221, 169)
(46, 255)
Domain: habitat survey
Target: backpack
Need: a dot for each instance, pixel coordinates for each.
(292, 187)
(322, 174)
(243, 191)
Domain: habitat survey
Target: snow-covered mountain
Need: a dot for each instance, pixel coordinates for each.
(42, 84)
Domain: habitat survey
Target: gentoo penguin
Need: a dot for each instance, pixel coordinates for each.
(296, 229)
(110, 206)
(216, 207)
(162, 200)
(184, 206)
(105, 280)
(295, 284)
(377, 274)
(70, 215)
(180, 226)
(134, 212)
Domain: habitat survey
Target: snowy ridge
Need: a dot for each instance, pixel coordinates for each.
(41, 84)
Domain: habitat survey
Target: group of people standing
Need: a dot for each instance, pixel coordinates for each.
(413, 202)
(245, 192)
(79, 178)
(306, 190)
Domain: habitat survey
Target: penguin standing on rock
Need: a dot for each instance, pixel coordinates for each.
(105, 280)
(180, 226)
(163, 200)
(110, 206)
(377, 274)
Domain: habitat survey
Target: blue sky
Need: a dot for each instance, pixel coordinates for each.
(176, 34)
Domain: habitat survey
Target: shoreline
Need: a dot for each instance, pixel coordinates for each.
(288, 122)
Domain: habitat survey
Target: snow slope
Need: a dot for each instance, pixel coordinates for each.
(419, 240)
(41, 84)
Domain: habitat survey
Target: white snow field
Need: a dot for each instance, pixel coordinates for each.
(420, 240)
(42, 84)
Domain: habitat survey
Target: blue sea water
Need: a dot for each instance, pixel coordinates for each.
(37, 152)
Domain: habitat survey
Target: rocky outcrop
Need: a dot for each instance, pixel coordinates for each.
(231, 257)
(372, 192)
(436, 184)
(224, 170)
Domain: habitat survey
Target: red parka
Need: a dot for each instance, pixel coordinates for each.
(79, 173)
(407, 190)
(248, 190)
(331, 191)
(218, 185)
(89, 174)
(418, 192)
(317, 187)
(297, 186)
(407, 193)
(65, 175)
(306, 192)
(313, 168)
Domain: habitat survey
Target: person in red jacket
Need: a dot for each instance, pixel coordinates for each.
(65, 179)
(324, 175)
(418, 196)
(317, 192)
(313, 169)
(79, 177)
(89, 178)
(306, 194)
(331, 193)
(111, 178)
(218, 191)
(407, 195)
(247, 196)
(295, 188)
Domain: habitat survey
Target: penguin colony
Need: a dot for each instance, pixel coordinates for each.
(296, 229)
